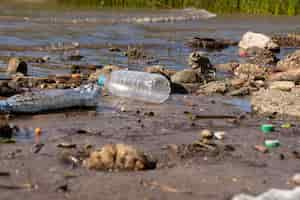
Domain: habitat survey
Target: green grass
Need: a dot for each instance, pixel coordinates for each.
(274, 7)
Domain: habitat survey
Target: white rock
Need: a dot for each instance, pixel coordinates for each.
(296, 179)
(259, 40)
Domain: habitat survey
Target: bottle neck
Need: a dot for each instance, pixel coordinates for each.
(102, 80)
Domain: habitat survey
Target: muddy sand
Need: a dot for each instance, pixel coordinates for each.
(179, 175)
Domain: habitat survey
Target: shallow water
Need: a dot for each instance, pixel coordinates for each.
(26, 31)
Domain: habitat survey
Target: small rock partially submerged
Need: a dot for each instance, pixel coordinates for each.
(210, 43)
(118, 157)
(273, 194)
(290, 40)
(291, 61)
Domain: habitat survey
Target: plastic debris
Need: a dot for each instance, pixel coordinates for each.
(49, 100)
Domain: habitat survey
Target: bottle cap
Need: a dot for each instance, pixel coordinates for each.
(266, 128)
(101, 80)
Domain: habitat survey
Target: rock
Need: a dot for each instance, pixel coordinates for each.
(269, 101)
(240, 92)
(160, 70)
(296, 179)
(210, 43)
(7, 89)
(227, 67)
(206, 134)
(282, 85)
(238, 82)
(213, 87)
(289, 75)
(117, 156)
(251, 39)
(261, 57)
(261, 148)
(290, 40)
(5, 130)
(15, 65)
(249, 70)
(198, 60)
(291, 61)
(186, 76)
(273, 194)
(106, 70)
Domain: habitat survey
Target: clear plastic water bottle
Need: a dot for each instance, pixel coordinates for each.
(143, 86)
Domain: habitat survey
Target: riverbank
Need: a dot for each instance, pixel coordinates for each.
(256, 7)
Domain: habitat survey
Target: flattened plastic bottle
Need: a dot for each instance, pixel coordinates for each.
(154, 88)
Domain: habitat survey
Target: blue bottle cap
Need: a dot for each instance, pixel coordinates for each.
(101, 80)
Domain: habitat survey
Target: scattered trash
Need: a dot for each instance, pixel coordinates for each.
(261, 148)
(118, 157)
(66, 145)
(63, 188)
(49, 100)
(219, 135)
(4, 173)
(37, 131)
(7, 141)
(267, 128)
(36, 148)
(286, 125)
(143, 86)
(273, 194)
(272, 143)
(163, 187)
(18, 187)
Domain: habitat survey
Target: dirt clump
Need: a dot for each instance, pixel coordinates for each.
(117, 157)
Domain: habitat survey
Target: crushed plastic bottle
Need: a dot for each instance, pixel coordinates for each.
(273, 194)
(143, 86)
(48, 100)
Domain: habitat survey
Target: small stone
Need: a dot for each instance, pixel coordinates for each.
(296, 179)
(5, 130)
(15, 65)
(186, 76)
(282, 85)
(261, 148)
(206, 134)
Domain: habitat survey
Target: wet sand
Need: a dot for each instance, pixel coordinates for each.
(199, 175)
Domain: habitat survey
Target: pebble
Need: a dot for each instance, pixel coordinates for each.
(296, 179)
(206, 134)
(261, 149)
